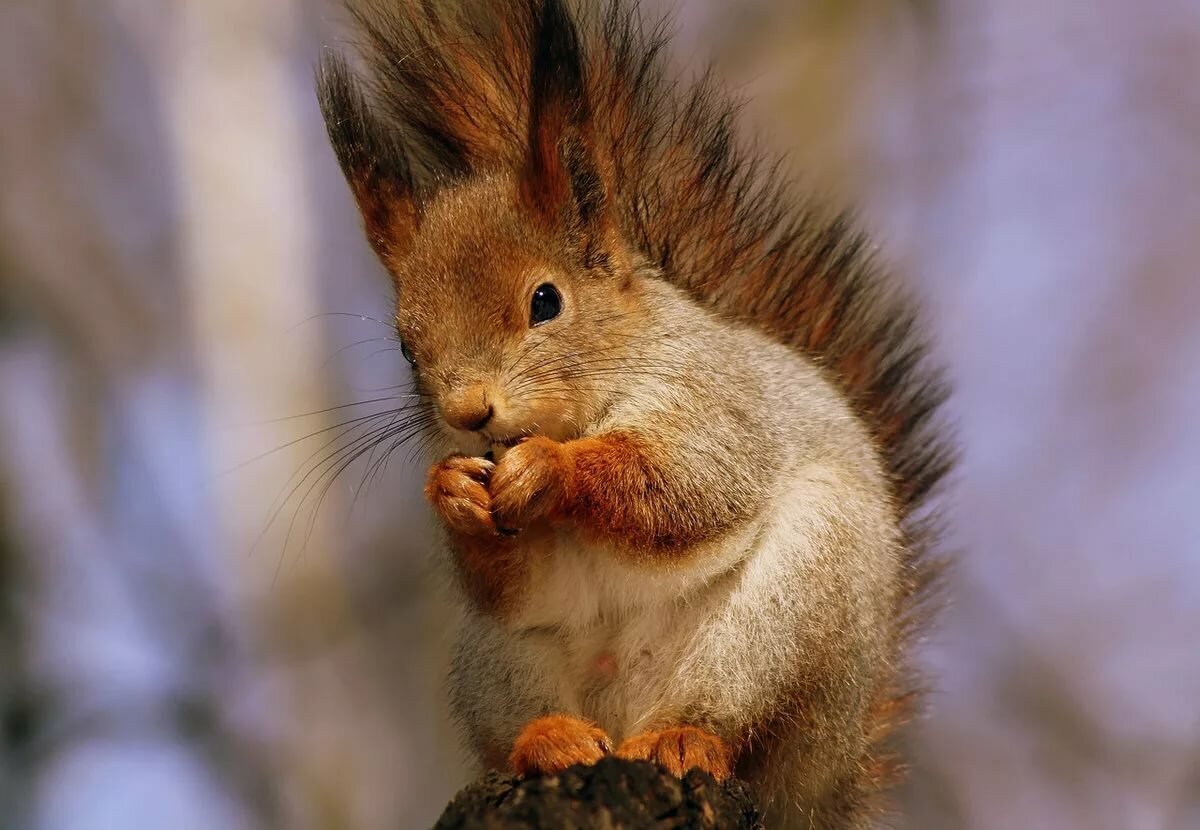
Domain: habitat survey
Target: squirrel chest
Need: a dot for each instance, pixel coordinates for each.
(612, 629)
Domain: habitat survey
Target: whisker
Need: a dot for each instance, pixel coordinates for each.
(316, 412)
(555, 364)
(261, 456)
(342, 458)
(554, 335)
(363, 317)
(355, 345)
(280, 502)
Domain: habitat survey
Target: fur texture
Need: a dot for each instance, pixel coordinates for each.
(706, 538)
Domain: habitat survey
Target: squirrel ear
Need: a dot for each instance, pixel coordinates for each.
(561, 182)
(374, 164)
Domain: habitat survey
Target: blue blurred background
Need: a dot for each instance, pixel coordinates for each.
(187, 641)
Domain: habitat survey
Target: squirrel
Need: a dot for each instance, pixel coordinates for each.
(684, 431)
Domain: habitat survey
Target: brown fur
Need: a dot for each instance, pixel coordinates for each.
(507, 144)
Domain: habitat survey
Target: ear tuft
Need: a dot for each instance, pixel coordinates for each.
(374, 164)
(561, 181)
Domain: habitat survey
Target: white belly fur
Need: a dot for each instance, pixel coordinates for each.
(635, 645)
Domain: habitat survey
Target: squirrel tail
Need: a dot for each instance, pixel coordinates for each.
(716, 218)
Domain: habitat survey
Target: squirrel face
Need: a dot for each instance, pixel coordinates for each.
(514, 327)
(517, 298)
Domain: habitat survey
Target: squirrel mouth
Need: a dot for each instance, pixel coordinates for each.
(498, 447)
(509, 443)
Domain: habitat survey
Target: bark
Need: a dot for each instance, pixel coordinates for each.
(614, 794)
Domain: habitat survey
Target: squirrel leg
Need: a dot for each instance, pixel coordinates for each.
(550, 744)
(681, 748)
(491, 565)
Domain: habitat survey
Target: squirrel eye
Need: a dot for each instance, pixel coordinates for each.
(407, 352)
(546, 304)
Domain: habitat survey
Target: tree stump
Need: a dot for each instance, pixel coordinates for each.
(614, 794)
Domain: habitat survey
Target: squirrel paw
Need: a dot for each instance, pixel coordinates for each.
(549, 745)
(527, 483)
(457, 489)
(680, 749)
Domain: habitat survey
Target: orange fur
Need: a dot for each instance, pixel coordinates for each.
(492, 568)
(618, 494)
(681, 748)
(610, 487)
(550, 744)
(533, 480)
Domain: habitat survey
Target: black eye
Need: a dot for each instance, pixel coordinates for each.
(546, 304)
(407, 352)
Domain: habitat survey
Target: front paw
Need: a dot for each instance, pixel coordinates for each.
(529, 483)
(680, 749)
(457, 489)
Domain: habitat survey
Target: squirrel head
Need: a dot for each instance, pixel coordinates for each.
(516, 296)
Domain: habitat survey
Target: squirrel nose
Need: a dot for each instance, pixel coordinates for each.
(468, 409)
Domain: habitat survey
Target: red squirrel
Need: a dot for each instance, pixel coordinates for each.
(684, 431)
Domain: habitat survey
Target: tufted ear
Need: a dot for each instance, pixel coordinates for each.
(374, 164)
(561, 182)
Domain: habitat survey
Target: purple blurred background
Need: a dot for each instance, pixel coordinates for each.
(183, 277)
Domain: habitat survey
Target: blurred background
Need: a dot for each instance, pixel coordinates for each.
(197, 632)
